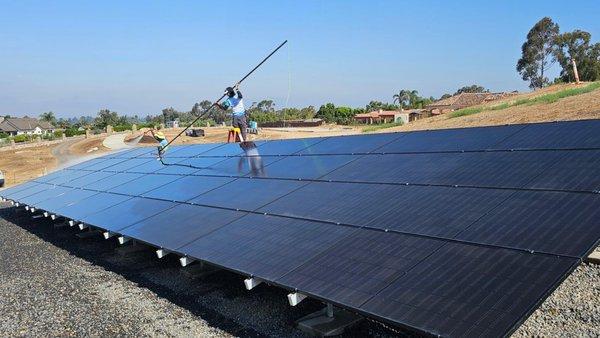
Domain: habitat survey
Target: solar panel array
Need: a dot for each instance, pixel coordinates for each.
(449, 232)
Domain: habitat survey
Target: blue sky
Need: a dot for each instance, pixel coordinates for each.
(137, 57)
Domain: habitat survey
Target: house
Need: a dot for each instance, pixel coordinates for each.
(25, 125)
(463, 100)
(173, 124)
(389, 116)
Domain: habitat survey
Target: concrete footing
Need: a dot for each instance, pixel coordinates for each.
(330, 321)
(593, 258)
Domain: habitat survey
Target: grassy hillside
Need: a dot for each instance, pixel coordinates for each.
(555, 103)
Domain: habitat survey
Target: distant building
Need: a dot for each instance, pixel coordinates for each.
(389, 116)
(463, 100)
(25, 125)
(173, 124)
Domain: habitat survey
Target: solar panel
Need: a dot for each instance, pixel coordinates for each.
(180, 225)
(189, 165)
(143, 184)
(435, 211)
(555, 222)
(115, 180)
(70, 197)
(86, 180)
(265, 246)
(452, 232)
(90, 205)
(130, 211)
(487, 169)
(555, 135)
(357, 268)
(305, 167)
(51, 192)
(185, 188)
(353, 144)
(247, 194)
(468, 290)
(576, 170)
(451, 139)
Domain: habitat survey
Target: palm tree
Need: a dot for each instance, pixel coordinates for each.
(48, 117)
(405, 97)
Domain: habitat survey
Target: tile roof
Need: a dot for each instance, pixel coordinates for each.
(14, 124)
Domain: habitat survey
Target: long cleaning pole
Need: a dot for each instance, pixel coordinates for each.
(222, 96)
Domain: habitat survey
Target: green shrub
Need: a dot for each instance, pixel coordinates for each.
(74, 132)
(123, 127)
(375, 127)
(58, 133)
(546, 98)
(21, 138)
(466, 111)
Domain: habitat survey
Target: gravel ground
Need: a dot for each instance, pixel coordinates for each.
(52, 283)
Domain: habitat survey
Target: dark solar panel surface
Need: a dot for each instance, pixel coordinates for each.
(457, 232)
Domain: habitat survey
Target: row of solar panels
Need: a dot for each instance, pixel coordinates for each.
(438, 259)
(437, 286)
(555, 135)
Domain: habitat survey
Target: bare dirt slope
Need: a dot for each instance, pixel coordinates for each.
(20, 165)
(219, 134)
(578, 107)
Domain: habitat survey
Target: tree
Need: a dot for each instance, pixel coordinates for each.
(106, 117)
(538, 53)
(48, 117)
(472, 89)
(403, 97)
(576, 46)
(376, 105)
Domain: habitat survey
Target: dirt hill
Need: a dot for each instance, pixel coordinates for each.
(576, 107)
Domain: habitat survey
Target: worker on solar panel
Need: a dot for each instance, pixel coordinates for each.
(237, 106)
(162, 142)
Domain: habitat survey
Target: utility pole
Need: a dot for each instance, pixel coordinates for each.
(575, 71)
